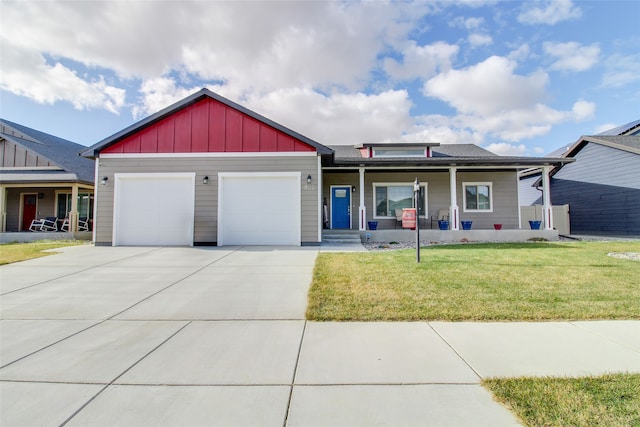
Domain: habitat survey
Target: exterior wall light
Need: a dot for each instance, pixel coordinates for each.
(104, 180)
(205, 180)
(308, 179)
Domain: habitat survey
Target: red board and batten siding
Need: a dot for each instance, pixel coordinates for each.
(208, 126)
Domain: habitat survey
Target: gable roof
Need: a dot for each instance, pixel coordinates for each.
(443, 155)
(624, 143)
(628, 129)
(58, 151)
(204, 93)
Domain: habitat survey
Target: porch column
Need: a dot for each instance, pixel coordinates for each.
(453, 209)
(362, 211)
(3, 208)
(547, 210)
(73, 213)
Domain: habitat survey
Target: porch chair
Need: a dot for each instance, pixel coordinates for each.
(36, 225)
(50, 223)
(83, 224)
(443, 214)
(398, 213)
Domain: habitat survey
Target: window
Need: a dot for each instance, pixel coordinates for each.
(477, 196)
(389, 197)
(399, 152)
(85, 205)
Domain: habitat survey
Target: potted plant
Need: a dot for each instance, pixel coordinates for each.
(373, 225)
(497, 226)
(443, 224)
(466, 225)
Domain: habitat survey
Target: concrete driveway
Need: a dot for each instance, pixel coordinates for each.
(217, 336)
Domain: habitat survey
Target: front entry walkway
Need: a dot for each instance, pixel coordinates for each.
(200, 336)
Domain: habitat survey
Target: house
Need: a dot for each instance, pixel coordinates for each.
(42, 176)
(602, 186)
(209, 171)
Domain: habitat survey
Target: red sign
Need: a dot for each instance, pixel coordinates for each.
(409, 218)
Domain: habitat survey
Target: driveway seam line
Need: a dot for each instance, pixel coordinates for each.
(122, 373)
(53, 343)
(295, 372)
(601, 336)
(172, 284)
(77, 272)
(455, 351)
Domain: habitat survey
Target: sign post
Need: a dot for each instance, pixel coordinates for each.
(416, 195)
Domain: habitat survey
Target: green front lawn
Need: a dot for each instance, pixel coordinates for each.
(14, 252)
(610, 400)
(506, 281)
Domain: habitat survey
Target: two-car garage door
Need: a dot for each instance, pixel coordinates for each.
(253, 209)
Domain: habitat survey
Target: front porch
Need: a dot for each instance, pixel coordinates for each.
(456, 236)
(27, 236)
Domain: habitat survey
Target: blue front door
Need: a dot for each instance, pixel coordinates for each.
(340, 207)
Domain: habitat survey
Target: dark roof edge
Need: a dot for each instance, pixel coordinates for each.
(598, 139)
(460, 161)
(398, 144)
(203, 93)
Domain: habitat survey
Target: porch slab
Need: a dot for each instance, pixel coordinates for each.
(406, 405)
(28, 236)
(378, 353)
(455, 236)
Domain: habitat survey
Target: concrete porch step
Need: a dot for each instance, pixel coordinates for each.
(340, 236)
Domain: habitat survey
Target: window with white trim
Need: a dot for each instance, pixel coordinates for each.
(85, 205)
(478, 196)
(387, 197)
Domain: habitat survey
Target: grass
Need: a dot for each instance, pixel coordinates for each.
(479, 282)
(610, 400)
(15, 252)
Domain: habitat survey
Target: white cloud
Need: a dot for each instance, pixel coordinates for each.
(621, 70)
(478, 39)
(421, 61)
(551, 12)
(339, 119)
(504, 149)
(488, 87)
(491, 99)
(26, 73)
(572, 56)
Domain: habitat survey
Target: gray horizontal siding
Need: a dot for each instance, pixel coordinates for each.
(602, 189)
(206, 195)
(598, 164)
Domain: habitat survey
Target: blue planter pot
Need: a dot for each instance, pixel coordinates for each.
(373, 225)
(535, 225)
(466, 225)
(443, 224)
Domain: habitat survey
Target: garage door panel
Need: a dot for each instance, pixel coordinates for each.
(260, 210)
(154, 210)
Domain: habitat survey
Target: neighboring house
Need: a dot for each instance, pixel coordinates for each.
(42, 176)
(602, 186)
(209, 171)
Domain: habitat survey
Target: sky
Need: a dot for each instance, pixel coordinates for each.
(517, 78)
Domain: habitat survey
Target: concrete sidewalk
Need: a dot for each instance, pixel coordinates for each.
(192, 336)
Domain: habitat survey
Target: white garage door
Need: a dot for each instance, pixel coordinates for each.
(154, 209)
(259, 209)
